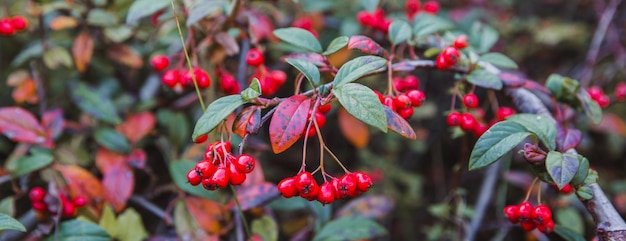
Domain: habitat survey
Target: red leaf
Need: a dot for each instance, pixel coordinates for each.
(207, 213)
(53, 122)
(567, 138)
(611, 123)
(261, 26)
(365, 45)
(136, 159)
(355, 131)
(512, 80)
(136, 126)
(256, 195)
(288, 122)
(81, 182)
(107, 159)
(118, 183)
(248, 121)
(21, 126)
(398, 124)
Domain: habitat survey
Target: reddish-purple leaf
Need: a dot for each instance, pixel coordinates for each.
(261, 26)
(567, 138)
(117, 185)
(398, 124)
(136, 126)
(403, 66)
(512, 80)
(288, 122)
(256, 195)
(534, 86)
(368, 207)
(248, 121)
(53, 122)
(136, 159)
(81, 182)
(366, 45)
(207, 213)
(611, 123)
(21, 126)
(314, 58)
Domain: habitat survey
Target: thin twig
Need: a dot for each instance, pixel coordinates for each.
(486, 191)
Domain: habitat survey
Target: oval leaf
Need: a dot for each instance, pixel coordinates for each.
(81, 182)
(485, 79)
(398, 124)
(144, 8)
(350, 228)
(138, 125)
(21, 126)
(82, 50)
(426, 24)
(337, 44)
(95, 104)
(125, 55)
(370, 5)
(496, 142)
(567, 233)
(542, 126)
(253, 91)
(207, 213)
(300, 38)
(499, 60)
(248, 121)
(357, 68)
(112, 140)
(366, 45)
(354, 130)
(561, 167)
(266, 227)
(215, 114)
(362, 103)
(77, 229)
(399, 31)
(310, 71)
(368, 207)
(591, 107)
(567, 138)
(9, 223)
(288, 122)
(28, 164)
(256, 195)
(118, 183)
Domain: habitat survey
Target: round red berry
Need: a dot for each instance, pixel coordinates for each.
(412, 7)
(547, 227)
(461, 41)
(159, 62)
(6, 27)
(417, 97)
(68, 210)
(620, 91)
(326, 193)
(470, 100)
(347, 185)
(201, 139)
(37, 194)
(406, 113)
(399, 84)
(441, 62)
(245, 163)
(595, 92)
(202, 78)
(79, 201)
(431, 7)
(388, 101)
(541, 214)
(512, 213)
(454, 119)
(171, 78)
(567, 189)
(229, 84)
(450, 55)
(402, 101)
(40, 206)
(527, 225)
(411, 82)
(222, 149)
(303, 182)
(525, 212)
(503, 112)
(363, 181)
(603, 101)
(235, 176)
(480, 129)
(365, 18)
(381, 98)
(220, 178)
(468, 122)
(204, 168)
(278, 77)
(254, 57)
(287, 187)
(19, 23)
(193, 177)
(324, 108)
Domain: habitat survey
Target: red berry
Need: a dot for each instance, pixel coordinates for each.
(278, 77)
(454, 119)
(79, 201)
(245, 163)
(204, 168)
(547, 227)
(406, 113)
(347, 185)
(603, 101)
(388, 101)
(402, 101)
(470, 100)
(451, 55)
(620, 91)
(411, 7)
(159, 62)
(254, 57)
(504, 112)
(399, 84)
(468, 122)
(303, 22)
(201, 139)
(365, 18)
(40, 206)
(411, 82)
(37, 194)
(326, 193)
(431, 7)
(525, 212)
(229, 84)
(219, 179)
(441, 63)
(303, 182)
(68, 210)
(479, 129)
(512, 213)
(235, 176)
(381, 98)
(417, 97)
(221, 149)
(171, 78)
(461, 41)
(202, 78)
(527, 225)
(595, 92)
(567, 189)
(287, 187)
(19, 23)
(324, 108)
(6, 27)
(363, 181)
(193, 177)
(541, 214)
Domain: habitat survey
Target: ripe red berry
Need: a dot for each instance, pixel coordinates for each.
(193, 177)
(454, 119)
(304, 22)
(222, 149)
(411, 82)
(347, 185)
(595, 92)
(461, 41)
(402, 101)
(365, 18)
(278, 77)
(547, 227)
(363, 181)
(201, 139)
(525, 212)
(79, 201)
(620, 91)
(527, 225)
(512, 213)
(406, 113)
(326, 193)
(603, 101)
(441, 63)
(412, 7)
(541, 214)
(381, 98)
(480, 129)
(245, 163)
(417, 97)
(6, 27)
(504, 112)
(202, 78)
(37, 194)
(287, 187)
(303, 181)
(470, 100)
(399, 84)
(431, 7)
(68, 210)
(159, 62)
(40, 206)
(19, 23)
(235, 176)
(204, 168)
(220, 178)
(171, 78)
(567, 189)
(254, 57)
(468, 122)
(324, 108)
(388, 101)
(450, 55)
(229, 84)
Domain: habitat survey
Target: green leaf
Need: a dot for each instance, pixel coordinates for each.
(57, 57)
(399, 31)
(108, 221)
(204, 8)
(118, 34)
(101, 18)
(583, 171)
(584, 193)
(7, 206)
(431, 52)
(78, 230)
(561, 167)
(496, 142)
(563, 88)
(498, 59)
(176, 126)
(265, 227)
(144, 8)
(426, 24)
(178, 171)
(300, 38)
(590, 107)
(95, 104)
(567, 233)
(541, 125)
(485, 79)
(33, 51)
(112, 140)
(592, 177)
(571, 218)
(370, 5)
(357, 68)
(362, 103)
(483, 36)
(350, 228)
(9, 223)
(27, 164)
(130, 226)
(337, 44)
(216, 113)
(253, 91)
(310, 71)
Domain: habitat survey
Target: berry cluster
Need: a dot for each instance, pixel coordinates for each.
(271, 80)
(11, 26)
(597, 94)
(305, 23)
(468, 122)
(412, 7)
(530, 217)
(177, 77)
(409, 96)
(304, 185)
(320, 118)
(375, 20)
(42, 202)
(220, 167)
(450, 55)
